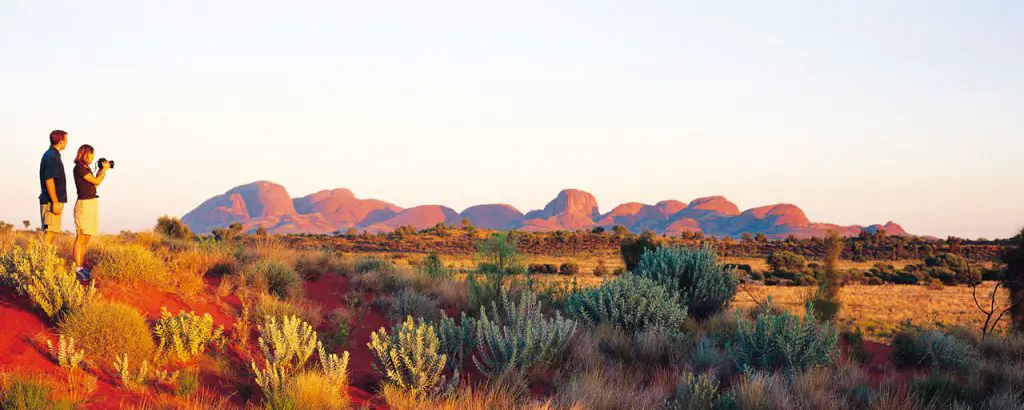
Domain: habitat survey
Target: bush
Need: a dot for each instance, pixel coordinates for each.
(287, 344)
(106, 330)
(264, 306)
(569, 268)
(17, 392)
(131, 263)
(38, 273)
(311, 390)
(784, 342)
(703, 286)
(694, 393)
(935, 349)
(411, 303)
(629, 302)
(943, 391)
(787, 265)
(187, 334)
(410, 359)
(433, 267)
(632, 249)
(311, 266)
(173, 228)
(374, 264)
(519, 336)
(279, 279)
(457, 341)
(601, 270)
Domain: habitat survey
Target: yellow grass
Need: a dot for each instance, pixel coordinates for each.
(879, 310)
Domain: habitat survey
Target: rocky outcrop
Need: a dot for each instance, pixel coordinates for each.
(344, 210)
(492, 216)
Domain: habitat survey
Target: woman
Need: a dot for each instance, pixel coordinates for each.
(87, 221)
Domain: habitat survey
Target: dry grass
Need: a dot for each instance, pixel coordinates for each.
(264, 305)
(106, 330)
(879, 310)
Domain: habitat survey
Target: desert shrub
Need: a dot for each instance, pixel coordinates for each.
(187, 384)
(132, 380)
(107, 329)
(374, 264)
(498, 260)
(854, 341)
(758, 391)
(279, 279)
(340, 321)
(703, 285)
(784, 342)
(264, 306)
(41, 275)
(434, 267)
(27, 393)
(65, 354)
(518, 336)
(633, 248)
(825, 300)
(569, 268)
(288, 343)
(950, 269)
(943, 391)
(630, 302)
(694, 393)
(601, 269)
(312, 265)
(457, 341)
(130, 263)
(410, 359)
(311, 390)
(1013, 256)
(935, 349)
(411, 303)
(787, 265)
(173, 228)
(186, 334)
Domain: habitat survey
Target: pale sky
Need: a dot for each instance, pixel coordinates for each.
(858, 112)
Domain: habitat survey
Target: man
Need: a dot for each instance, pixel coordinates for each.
(53, 183)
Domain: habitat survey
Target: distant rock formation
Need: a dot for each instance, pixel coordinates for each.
(268, 205)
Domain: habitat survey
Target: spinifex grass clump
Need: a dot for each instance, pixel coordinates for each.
(518, 336)
(44, 277)
(629, 302)
(704, 286)
(410, 359)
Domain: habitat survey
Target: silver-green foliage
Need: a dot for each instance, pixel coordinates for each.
(39, 273)
(288, 343)
(457, 340)
(784, 342)
(940, 351)
(703, 285)
(518, 336)
(65, 354)
(632, 303)
(410, 359)
(694, 393)
(186, 334)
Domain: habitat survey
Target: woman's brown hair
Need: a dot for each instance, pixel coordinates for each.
(83, 152)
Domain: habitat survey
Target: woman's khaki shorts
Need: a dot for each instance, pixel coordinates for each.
(87, 217)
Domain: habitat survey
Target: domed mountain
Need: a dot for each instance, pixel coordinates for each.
(572, 209)
(671, 207)
(241, 204)
(420, 217)
(635, 216)
(492, 216)
(344, 210)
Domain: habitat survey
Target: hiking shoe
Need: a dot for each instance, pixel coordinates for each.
(83, 275)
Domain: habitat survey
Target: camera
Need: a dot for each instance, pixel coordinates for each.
(102, 160)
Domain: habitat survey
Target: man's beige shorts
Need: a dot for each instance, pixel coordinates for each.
(51, 222)
(87, 217)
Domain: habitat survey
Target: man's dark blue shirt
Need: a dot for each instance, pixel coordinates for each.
(52, 167)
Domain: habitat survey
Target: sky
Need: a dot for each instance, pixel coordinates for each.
(859, 112)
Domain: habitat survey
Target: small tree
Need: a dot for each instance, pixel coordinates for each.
(498, 259)
(27, 224)
(633, 248)
(826, 299)
(173, 228)
(787, 264)
(1013, 257)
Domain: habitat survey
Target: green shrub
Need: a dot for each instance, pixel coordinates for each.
(280, 279)
(787, 265)
(20, 393)
(410, 359)
(411, 303)
(935, 349)
(65, 354)
(187, 384)
(784, 342)
(703, 286)
(187, 334)
(634, 248)
(942, 391)
(311, 266)
(106, 330)
(519, 336)
(131, 263)
(601, 269)
(569, 268)
(433, 267)
(374, 264)
(629, 302)
(41, 275)
(694, 393)
(498, 261)
(457, 340)
(173, 228)
(288, 344)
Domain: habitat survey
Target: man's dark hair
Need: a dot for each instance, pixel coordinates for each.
(56, 136)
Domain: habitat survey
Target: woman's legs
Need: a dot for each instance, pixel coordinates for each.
(78, 253)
